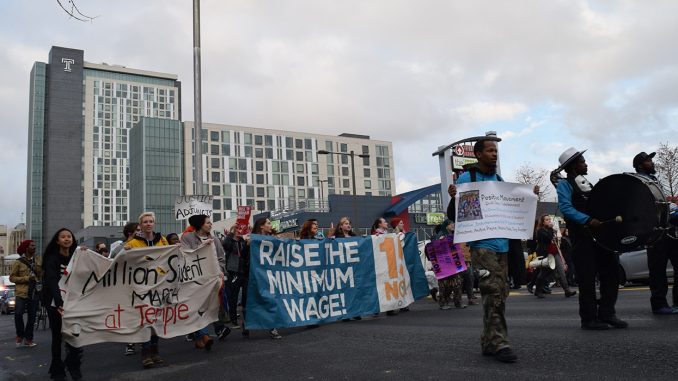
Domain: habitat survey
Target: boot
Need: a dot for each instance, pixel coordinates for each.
(207, 342)
(146, 359)
(539, 289)
(434, 294)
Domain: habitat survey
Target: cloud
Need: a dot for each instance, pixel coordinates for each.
(600, 75)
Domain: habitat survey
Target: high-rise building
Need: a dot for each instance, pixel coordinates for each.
(273, 169)
(156, 171)
(79, 117)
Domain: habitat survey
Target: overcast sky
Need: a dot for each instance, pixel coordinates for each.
(546, 75)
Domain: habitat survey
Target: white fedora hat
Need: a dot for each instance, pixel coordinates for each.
(568, 156)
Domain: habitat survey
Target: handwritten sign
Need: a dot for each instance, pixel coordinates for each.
(162, 289)
(187, 206)
(242, 223)
(494, 209)
(446, 257)
(300, 282)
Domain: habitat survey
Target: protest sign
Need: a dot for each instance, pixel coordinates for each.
(187, 206)
(446, 257)
(301, 282)
(242, 223)
(165, 289)
(494, 209)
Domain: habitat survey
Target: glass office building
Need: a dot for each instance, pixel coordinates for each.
(156, 171)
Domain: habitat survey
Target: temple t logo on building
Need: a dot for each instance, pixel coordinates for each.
(68, 62)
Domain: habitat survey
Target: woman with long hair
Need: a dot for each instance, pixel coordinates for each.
(547, 244)
(309, 230)
(344, 229)
(262, 226)
(379, 226)
(56, 258)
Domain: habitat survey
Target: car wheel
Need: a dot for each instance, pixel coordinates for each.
(622, 276)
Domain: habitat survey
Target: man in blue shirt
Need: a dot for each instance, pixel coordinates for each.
(489, 257)
(590, 260)
(661, 252)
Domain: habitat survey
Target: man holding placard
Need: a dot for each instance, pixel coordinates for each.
(488, 255)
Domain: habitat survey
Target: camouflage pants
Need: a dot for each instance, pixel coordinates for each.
(450, 289)
(494, 291)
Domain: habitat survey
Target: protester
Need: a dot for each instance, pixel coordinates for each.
(57, 256)
(263, 226)
(592, 262)
(193, 240)
(659, 253)
(379, 227)
(449, 288)
(128, 231)
(26, 274)
(566, 250)
(468, 276)
(398, 226)
(489, 255)
(101, 249)
(343, 229)
(148, 237)
(237, 251)
(173, 238)
(309, 230)
(546, 245)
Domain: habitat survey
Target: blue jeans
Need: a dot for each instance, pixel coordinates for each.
(201, 332)
(29, 306)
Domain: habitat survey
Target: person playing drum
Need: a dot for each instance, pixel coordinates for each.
(659, 253)
(590, 260)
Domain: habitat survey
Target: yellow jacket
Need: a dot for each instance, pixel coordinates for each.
(158, 240)
(20, 275)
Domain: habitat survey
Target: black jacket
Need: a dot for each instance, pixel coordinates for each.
(52, 275)
(544, 239)
(237, 253)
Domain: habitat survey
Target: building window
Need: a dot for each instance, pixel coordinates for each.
(345, 183)
(216, 177)
(214, 136)
(259, 165)
(344, 171)
(214, 162)
(216, 204)
(258, 140)
(216, 190)
(366, 172)
(368, 184)
(299, 144)
(301, 181)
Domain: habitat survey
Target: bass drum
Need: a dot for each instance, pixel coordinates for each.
(641, 204)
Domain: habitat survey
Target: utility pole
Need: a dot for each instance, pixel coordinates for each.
(197, 104)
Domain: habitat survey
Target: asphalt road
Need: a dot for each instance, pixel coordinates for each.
(423, 344)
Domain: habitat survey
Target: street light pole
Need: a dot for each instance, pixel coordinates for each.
(197, 104)
(321, 192)
(352, 154)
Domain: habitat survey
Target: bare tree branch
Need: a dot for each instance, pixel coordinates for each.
(526, 174)
(74, 11)
(666, 163)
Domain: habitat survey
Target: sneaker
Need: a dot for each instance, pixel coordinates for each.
(459, 305)
(235, 325)
(223, 333)
(530, 288)
(594, 325)
(569, 293)
(246, 333)
(129, 350)
(146, 359)
(445, 307)
(29, 343)
(19, 342)
(189, 337)
(665, 311)
(360, 318)
(615, 322)
(157, 359)
(274, 334)
(472, 302)
(506, 355)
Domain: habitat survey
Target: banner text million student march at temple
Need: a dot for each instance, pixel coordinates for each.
(494, 209)
(173, 291)
(302, 282)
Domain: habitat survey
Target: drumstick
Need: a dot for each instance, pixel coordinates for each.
(617, 219)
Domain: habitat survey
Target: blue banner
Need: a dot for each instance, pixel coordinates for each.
(301, 282)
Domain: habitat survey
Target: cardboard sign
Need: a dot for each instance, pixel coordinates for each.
(187, 206)
(242, 224)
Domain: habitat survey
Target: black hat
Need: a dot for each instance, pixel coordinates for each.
(641, 157)
(197, 221)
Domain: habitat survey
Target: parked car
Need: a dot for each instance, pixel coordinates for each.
(5, 284)
(7, 301)
(633, 267)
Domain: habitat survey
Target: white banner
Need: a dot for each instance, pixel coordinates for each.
(187, 206)
(393, 280)
(165, 289)
(494, 209)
